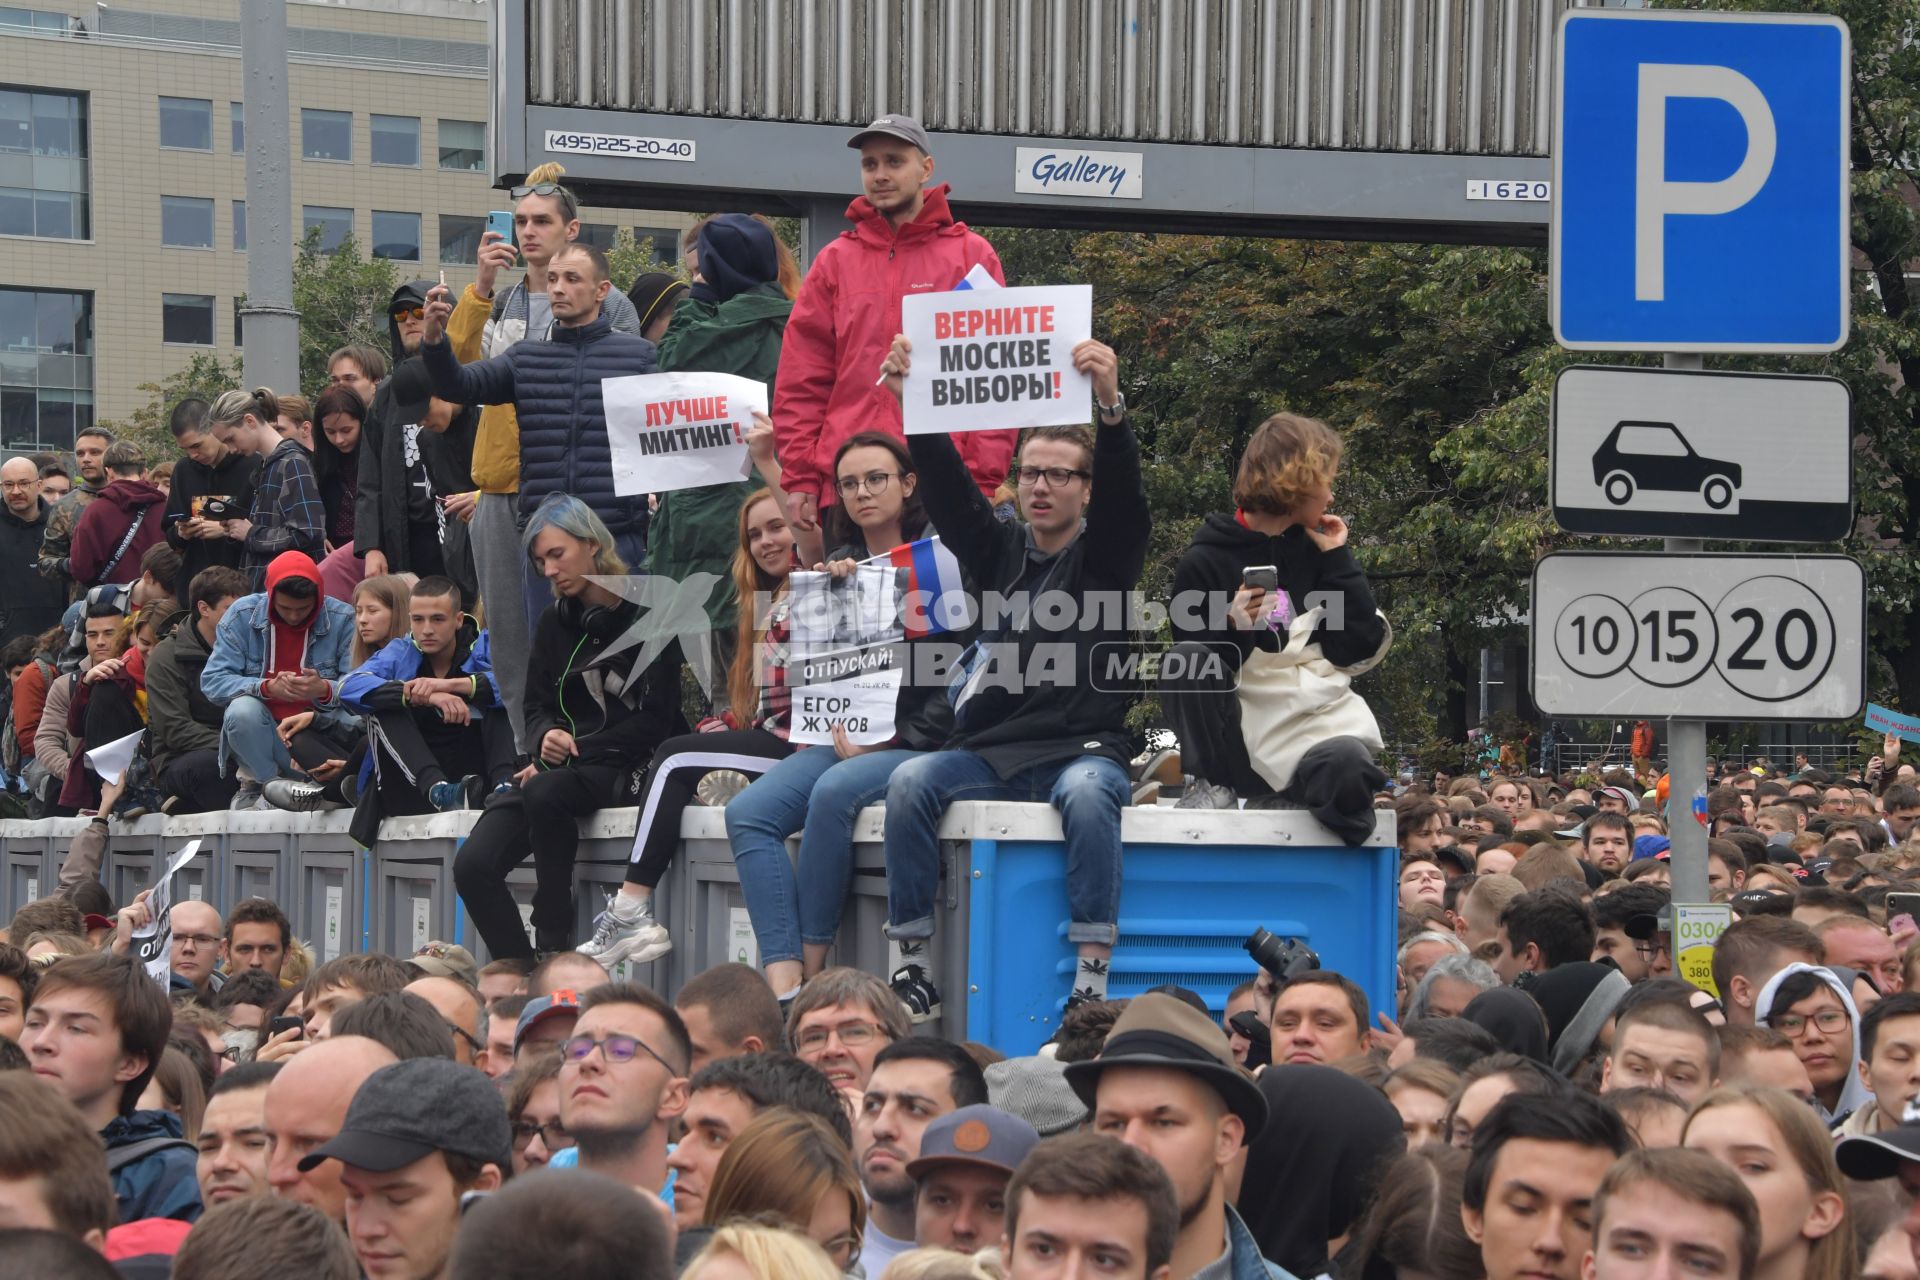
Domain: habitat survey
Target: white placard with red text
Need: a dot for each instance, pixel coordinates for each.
(986, 360)
(679, 430)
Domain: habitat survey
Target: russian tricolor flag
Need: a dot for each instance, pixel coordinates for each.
(940, 602)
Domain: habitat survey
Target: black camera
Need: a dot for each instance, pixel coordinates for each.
(1284, 958)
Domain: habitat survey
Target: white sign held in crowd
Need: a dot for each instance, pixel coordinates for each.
(679, 430)
(848, 653)
(996, 362)
(153, 941)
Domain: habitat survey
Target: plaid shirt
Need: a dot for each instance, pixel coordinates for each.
(287, 512)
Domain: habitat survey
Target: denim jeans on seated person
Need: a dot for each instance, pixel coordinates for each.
(1089, 791)
(815, 792)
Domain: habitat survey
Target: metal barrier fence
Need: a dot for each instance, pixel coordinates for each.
(1195, 886)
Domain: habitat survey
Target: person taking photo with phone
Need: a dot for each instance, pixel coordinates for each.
(1272, 618)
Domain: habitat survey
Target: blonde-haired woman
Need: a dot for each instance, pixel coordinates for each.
(791, 1166)
(1784, 1154)
(749, 1251)
(1275, 618)
(484, 324)
(287, 512)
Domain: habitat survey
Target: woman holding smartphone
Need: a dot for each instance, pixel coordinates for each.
(1272, 617)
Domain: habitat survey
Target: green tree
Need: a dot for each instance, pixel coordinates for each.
(632, 257)
(342, 298)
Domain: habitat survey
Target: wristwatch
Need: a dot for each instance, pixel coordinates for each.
(1115, 410)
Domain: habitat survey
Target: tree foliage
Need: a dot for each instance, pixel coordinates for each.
(205, 375)
(342, 298)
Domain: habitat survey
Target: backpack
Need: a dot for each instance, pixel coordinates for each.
(11, 759)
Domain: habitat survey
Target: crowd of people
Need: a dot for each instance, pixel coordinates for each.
(439, 600)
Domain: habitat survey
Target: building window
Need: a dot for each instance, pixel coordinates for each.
(396, 140)
(187, 318)
(186, 123)
(46, 367)
(335, 225)
(186, 222)
(237, 339)
(396, 236)
(239, 226)
(326, 135)
(598, 234)
(463, 145)
(460, 238)
(43, 165)
(34, 20)
(237, 123)
(666, 244)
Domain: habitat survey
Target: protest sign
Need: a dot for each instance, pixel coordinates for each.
(848, 654)
(1885, 720)
(111, 760)
(153, 941)
(986, 360)
(679, 430)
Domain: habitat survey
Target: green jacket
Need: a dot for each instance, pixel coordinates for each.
(697, 530)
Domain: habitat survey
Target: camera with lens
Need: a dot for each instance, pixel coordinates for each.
(1284, 958)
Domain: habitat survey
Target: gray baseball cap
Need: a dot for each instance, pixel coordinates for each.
(408, 1110)
(977, 1135)
(905, 128)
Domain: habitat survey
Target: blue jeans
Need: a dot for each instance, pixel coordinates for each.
(252, 736)
(1090, 792)
(815, 792)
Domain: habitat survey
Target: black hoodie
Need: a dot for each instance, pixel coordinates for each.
(1209, 574)
(389, 501)
(234, 478)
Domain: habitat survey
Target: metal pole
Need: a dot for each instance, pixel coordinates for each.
(1686, 757)
(270, 333)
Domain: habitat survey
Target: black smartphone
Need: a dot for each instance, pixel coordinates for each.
(1903, 904)
(1264, 576)
(281, 1024)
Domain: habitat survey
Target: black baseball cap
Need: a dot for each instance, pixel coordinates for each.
(408, 1110)
(893, 125)
(1868, 1157)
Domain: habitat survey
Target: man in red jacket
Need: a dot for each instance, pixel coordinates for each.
(903, 240)
(116, 530)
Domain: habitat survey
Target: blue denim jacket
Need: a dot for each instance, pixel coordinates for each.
(239, 659)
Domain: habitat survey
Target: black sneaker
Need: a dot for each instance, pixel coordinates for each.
(917, 993)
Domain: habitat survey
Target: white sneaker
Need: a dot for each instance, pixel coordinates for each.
(626, 935)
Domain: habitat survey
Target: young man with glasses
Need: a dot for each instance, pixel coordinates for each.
(623, 1080)
(1042, 715)
(1811, 1007)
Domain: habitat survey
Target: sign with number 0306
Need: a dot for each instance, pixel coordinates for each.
(1699, 637)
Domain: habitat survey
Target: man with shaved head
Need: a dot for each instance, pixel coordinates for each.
(197, 947)
(32, 603)
(460, 1008)
(306, 1106)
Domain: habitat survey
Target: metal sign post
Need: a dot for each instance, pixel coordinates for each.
(1686, 755)
(1687, 144)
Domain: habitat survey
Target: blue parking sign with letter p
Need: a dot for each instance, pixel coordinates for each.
(1700, 182)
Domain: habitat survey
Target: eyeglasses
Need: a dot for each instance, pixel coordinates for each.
(229, 1054)
(875, 481)
(553, 189)
(197, 939)
(613, 1048)
(1648, 947)
(852, 1035)
(1057, 477)
(1794, 1025)
(466, 1035)
(552, 1133)
(407, 313)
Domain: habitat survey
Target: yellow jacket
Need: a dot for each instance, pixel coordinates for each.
(496, 448)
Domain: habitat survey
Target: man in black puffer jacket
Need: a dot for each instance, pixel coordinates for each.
(554, 387)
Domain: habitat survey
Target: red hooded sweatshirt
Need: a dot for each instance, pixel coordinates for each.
(844, 322)
(126, 504)
(287, 646)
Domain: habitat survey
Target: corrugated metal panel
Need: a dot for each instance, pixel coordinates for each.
(1461, 76)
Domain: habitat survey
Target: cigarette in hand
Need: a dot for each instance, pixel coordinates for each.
(443, 277)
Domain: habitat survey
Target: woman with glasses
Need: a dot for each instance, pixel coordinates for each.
(1811, 1006)
(819, 793)
(533, 1110)
(792, 1166)
(748, 741)
(1785, 1156)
